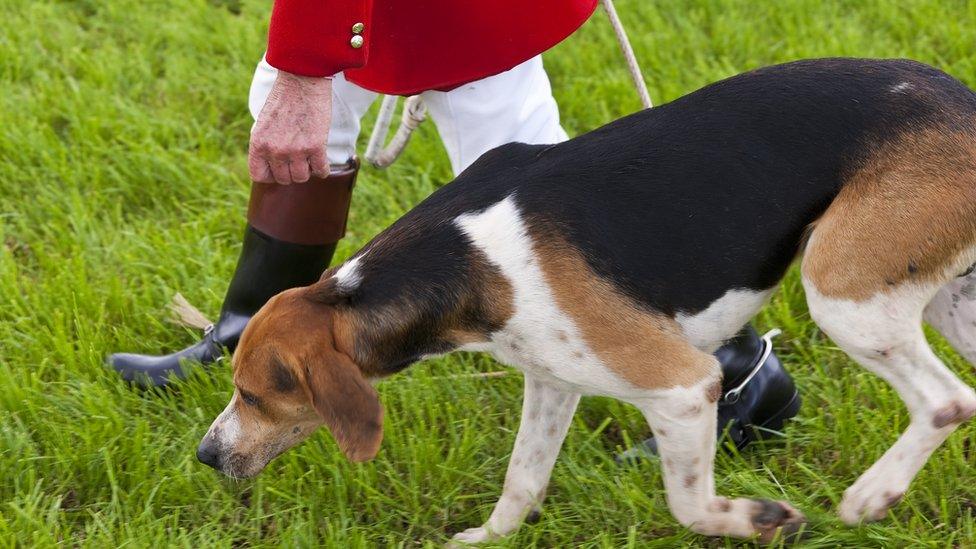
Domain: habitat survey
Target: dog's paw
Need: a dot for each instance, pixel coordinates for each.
(471, 536)
(865, 502)
(775, 518)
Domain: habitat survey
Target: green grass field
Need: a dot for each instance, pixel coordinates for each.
(123, 134)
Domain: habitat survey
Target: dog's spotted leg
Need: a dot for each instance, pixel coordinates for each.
(684, 422)
(884, 334)
(953, 313)
(546, 415)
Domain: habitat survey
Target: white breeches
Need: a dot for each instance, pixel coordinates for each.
(516, 105)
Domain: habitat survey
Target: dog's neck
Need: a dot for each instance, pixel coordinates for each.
(384, 341)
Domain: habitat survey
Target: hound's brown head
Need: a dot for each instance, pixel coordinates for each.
(290, 377)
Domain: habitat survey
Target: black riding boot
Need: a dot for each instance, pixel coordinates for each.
(289, 240)
(758, 395)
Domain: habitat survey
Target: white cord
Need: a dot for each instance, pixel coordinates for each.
(414, 113)
(380, 128)
(635, 72)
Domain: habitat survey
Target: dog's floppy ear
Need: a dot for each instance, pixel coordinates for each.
(347, 403)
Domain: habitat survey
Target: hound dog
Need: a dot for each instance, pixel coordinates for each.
(615, 263)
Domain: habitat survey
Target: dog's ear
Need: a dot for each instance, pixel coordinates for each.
(347, 403)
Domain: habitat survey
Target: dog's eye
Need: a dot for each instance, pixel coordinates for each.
(249, 399)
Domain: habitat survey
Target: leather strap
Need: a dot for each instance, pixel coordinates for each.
(311, 213)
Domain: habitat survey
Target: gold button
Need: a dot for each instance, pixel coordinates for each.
(358, 28)
(356, 42)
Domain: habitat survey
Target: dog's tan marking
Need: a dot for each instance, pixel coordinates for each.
(495, 302)
(644, 348)
(484, 304)
(714, 391)
(905, 214)
(290, 378)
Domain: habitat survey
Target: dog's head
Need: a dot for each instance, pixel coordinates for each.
(289, 379)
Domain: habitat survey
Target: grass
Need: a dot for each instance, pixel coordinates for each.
(123, 131)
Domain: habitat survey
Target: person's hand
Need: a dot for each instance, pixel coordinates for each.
(288, 141)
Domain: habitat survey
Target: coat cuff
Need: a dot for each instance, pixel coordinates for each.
(319, 37)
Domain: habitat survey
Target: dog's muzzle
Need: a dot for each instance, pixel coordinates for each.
(208, 453)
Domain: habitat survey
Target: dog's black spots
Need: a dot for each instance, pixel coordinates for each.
(296, 430)
(533, 517)
(912, 267)
(773, 520)
(284, 381)
(892, 499)
(883, 352)
(768, 514)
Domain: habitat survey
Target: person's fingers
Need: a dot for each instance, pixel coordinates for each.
(299, 170)
(259, 170)
(266, 175)
(319, 163)
(280, 170)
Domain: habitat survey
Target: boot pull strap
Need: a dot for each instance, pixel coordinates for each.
(732, 396)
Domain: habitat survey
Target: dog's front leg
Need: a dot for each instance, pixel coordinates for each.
(546, 414)
(684, 422)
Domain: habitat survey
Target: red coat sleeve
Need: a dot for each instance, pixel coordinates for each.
(319, 37)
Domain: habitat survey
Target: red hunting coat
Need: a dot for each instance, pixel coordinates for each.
(407, 46)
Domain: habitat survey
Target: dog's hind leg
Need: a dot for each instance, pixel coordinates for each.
(546, 415)
(882, 330)
(953, 313)
(901, 228)
(884, 334)
(684, 422)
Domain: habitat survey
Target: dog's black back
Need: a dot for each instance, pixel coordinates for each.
(683, 202)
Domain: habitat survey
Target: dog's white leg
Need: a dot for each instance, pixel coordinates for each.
(884, 334)
(953, 313)
(546, 415)
(684, 424)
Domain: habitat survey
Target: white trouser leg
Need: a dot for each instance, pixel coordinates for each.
(516, 105)
(349, 104)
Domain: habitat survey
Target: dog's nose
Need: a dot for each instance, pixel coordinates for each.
(207, 454)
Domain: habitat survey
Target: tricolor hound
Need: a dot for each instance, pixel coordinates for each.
(615, 263)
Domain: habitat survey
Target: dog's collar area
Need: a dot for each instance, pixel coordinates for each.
(732, 396)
